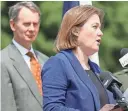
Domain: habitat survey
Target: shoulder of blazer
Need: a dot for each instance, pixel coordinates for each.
(4, 53)
(42, 57)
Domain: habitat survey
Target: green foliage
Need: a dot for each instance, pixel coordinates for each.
(50, 21)
(115, 29)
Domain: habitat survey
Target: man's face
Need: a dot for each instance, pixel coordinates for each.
(26, 27)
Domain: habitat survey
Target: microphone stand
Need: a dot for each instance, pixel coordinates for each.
(121, 102)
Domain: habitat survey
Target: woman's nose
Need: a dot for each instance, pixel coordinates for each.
(100, 33)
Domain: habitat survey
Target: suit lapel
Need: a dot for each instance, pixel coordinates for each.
(22, 68)
(82, 75)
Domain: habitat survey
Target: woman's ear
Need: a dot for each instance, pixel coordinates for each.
(12, 25)
(75, 31)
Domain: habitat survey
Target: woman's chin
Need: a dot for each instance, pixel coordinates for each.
(94, 51)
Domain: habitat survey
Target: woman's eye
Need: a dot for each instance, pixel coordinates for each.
(95, 27)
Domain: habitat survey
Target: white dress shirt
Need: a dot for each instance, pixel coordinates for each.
(23, 52)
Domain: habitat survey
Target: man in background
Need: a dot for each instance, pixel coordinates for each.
(20, 64)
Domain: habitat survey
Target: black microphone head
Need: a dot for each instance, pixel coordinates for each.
(103, 75)
(111, 83)
(123, 52)
(108, 78)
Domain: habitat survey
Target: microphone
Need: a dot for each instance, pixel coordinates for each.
(111, 83)
(123, 51)
(125, 94)
(124, 57)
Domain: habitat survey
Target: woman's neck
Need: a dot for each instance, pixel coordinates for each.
(83, 59)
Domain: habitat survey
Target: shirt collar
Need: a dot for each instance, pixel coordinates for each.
(22, 50)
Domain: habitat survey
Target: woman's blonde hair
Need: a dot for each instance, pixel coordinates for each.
(72, 21)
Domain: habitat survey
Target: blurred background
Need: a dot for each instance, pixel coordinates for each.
(114, 39)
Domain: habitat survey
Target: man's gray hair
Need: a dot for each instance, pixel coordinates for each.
(15, 9)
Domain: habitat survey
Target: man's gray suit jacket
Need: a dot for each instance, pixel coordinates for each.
(19, 91)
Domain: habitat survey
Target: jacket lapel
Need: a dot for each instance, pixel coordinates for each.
(82, 75)
(22, 68)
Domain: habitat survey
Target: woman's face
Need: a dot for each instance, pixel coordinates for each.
(90, 35)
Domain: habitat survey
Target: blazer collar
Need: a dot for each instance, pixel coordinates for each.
(23, 70)
(82, 74)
